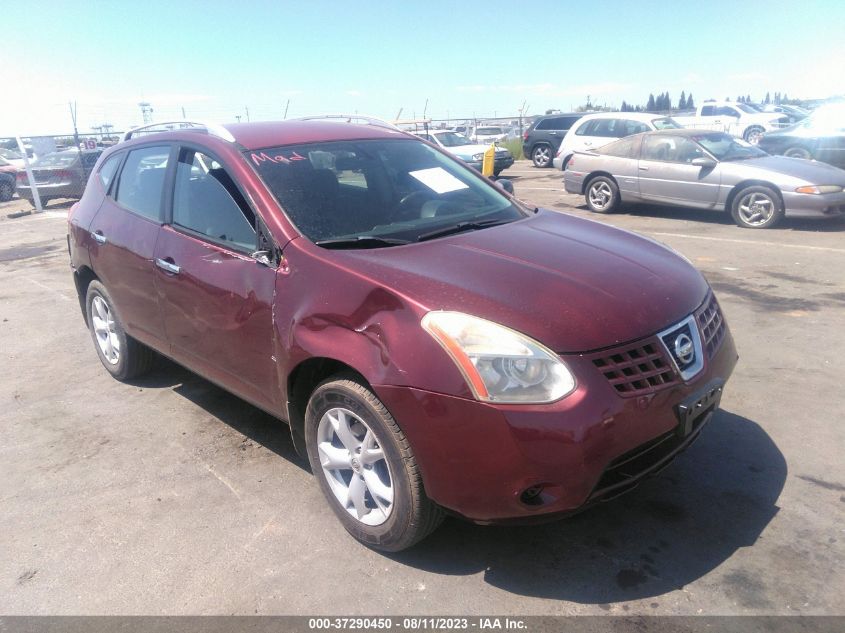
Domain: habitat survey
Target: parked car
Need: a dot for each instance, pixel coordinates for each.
(736, 119)
(820, 136)
(542, 139)
(601, 128)
(486, 134)
(58, 175)
(432, 342)
(8, 175)
(471, 153)
(794, 113)
(706, 170)
(12, 157)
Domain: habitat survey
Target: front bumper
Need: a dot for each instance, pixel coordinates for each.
(813, 205)
(498, 164)
(477, 459)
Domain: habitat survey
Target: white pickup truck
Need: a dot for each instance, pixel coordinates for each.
(736, 119)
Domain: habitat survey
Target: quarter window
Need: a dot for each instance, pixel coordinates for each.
(109, 169)
(142, 181)
(207, 201)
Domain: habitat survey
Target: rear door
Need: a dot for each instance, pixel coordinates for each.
(124, 234)
(666, 172)
(216, 299)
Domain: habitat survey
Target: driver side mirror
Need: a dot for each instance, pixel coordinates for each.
(707, 163)
(504, 183)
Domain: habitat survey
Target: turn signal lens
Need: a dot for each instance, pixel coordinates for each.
(817, 189)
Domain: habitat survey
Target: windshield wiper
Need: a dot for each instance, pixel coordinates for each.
(361, 241)
(460, 227)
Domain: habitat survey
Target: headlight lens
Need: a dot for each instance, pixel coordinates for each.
(479, 156)
(819, 189)
(500, 364)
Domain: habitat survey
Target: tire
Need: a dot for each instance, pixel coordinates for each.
(342, 407)
(798, 151)
(7, 190)
(602, 195)
(496, 172)
(753, 134)
(757, 207)
(121, 355)
(542, 155)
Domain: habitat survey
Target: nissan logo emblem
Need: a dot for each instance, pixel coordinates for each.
(684, 350)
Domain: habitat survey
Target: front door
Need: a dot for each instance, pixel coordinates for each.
(666, 172)
(216, 299)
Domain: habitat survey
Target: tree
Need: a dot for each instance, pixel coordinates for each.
(624, 107)
(682, 102)
(740, 99)
(777, 98)
(690, 102)
(768, 99)
(748, 99)
(651, 105)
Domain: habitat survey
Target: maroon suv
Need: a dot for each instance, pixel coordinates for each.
(433, 344)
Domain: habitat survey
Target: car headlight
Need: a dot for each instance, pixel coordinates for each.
(817, 189)
(500, 364)
(479, 156)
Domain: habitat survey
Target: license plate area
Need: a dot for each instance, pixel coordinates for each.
(692, 411)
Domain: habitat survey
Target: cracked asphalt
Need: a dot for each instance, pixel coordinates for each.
(169, 496)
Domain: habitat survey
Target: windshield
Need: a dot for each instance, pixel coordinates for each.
(57, 159)
(400, 190)
(10, 154)
(745, 108)
(725, 147)
(489, 131)
(666, 123)
(452, 139)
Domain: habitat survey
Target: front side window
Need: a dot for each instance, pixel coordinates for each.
(587, 128)
(708, 110)
(727, 111)
(141, 181)
(109, 169)
(378, 192)
(206, 201)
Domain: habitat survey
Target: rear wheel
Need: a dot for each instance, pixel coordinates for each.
(602, 195)
(365, 467)
(541, 155)
(798, 151)
(757, 207)
(121, 355)
(7, 190)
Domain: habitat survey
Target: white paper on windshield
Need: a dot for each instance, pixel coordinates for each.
(438, 179)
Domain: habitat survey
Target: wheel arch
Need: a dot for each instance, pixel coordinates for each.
(82, 278)
(751, 183)
(593, 175)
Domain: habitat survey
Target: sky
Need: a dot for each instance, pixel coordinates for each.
(218, 60)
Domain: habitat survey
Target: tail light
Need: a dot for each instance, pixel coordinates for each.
(21, 176)
(525, 135)
(570, 163)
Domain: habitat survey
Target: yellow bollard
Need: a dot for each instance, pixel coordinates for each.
(489, 160)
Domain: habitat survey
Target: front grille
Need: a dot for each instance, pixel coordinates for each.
(712, 325)
(636, 369)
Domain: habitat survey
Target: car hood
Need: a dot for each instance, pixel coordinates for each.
(791, 169)
(465, 152)
(573, 284)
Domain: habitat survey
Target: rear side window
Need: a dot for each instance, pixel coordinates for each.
(554, 123)
(109, 169)
(142, 181)
(206, 201)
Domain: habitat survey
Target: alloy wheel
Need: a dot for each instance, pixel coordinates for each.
(756, 209)
(355, 466)
(601, 195)
(104, 330)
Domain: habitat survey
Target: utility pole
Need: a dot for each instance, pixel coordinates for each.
(286, 109)
(146, 112)
(183, 113)
(238, 117)
(247, 112)
(72, 107)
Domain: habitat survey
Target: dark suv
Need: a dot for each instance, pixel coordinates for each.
(541, 140)
(434, 345)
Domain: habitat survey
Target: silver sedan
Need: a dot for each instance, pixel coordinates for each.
(706, 170)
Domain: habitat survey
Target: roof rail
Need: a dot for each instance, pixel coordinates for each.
(214, 129)
(348, 118)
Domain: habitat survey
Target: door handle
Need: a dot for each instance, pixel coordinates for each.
(642, 168)
(99, 237)
(167, 266)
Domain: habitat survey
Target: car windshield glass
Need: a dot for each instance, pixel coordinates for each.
(489, 131)
(388, 189)
(10, 154)
(453, 139)
(745, 108)
(725, 147)
(666, 123)
(58, 159)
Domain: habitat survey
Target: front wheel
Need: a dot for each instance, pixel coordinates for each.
(602, 195)
(541, 156)
(797, 151)
(753, 134)
(757, 207)
(365, 467)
